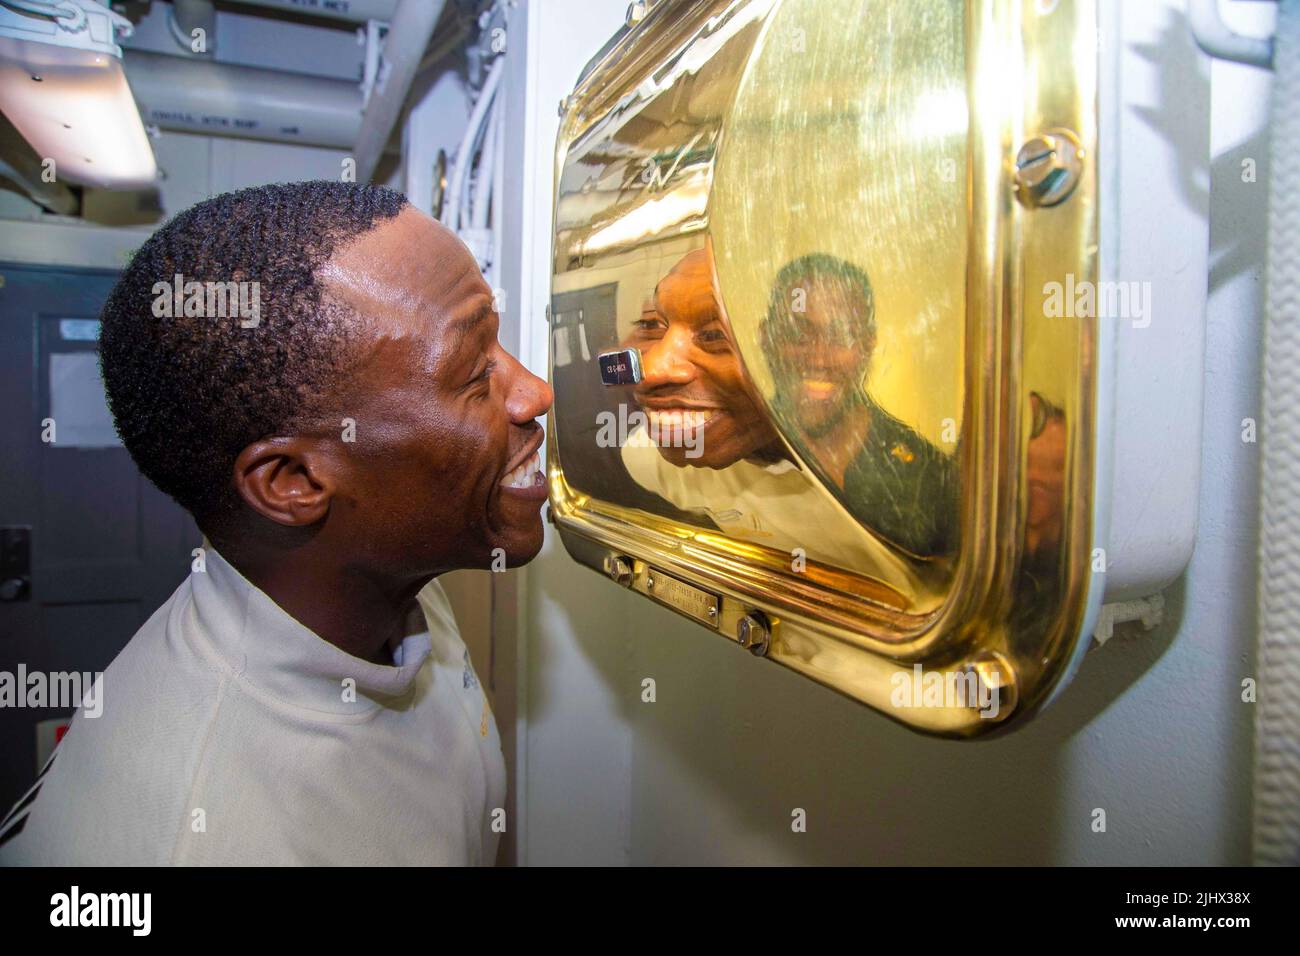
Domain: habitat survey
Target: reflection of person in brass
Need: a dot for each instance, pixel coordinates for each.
(693, 386)
(819, 335)
(743, 478)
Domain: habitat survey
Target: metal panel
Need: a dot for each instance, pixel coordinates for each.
(829, 231)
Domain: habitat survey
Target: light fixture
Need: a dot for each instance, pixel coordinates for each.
(63, 87)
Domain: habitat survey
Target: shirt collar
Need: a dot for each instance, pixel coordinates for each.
(266, 648)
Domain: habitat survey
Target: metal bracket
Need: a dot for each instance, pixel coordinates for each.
(1149, 610)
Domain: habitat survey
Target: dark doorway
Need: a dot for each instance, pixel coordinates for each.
(91, 549)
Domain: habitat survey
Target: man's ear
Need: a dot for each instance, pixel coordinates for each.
(288, 480)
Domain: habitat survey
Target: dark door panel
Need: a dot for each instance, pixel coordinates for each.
(106, 547)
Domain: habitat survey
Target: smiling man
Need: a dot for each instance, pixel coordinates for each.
(701, 406)
(366, 434)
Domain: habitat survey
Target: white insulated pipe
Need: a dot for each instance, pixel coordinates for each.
(200, 96)
(353, 11)
(460, 172)
(408, 36)
(478, 218)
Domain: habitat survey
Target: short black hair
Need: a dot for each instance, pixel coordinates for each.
(189, 392)
(825, 267)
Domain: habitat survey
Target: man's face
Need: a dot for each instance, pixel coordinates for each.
(444, 467)
(692, 378)
(822, 354)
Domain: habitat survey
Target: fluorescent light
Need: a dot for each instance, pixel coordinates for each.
(69, 98)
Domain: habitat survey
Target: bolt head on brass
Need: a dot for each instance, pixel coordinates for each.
(1048, 167)
(619, 569)
(997, 678)
(636, 12)
(753, 633)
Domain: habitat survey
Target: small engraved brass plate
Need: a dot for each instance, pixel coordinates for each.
(695, 603)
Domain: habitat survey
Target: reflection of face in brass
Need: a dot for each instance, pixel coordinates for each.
(691, 376)
(819, 334)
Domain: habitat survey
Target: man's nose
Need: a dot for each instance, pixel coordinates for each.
(529, 397)
(668, 361)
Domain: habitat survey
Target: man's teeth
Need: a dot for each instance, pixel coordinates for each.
(819, 388)
(680, 419)
(525, 476)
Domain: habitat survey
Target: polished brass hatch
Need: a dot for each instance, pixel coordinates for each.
(798, 346)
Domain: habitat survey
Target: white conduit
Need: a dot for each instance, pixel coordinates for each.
(1277, 726)
(354, 11)
(498, 195)
(408, 36)
(460, 172)
(196, 95)
(486, 169)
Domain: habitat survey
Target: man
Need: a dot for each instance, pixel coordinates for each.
(695, 393)
(359, 433)
(819, 336)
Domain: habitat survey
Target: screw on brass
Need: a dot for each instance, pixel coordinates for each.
(636, 12)
(1048, 167)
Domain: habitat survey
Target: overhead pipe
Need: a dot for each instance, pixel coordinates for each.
(409, 32)
(352, 11)
(200, 96)
(186, 17)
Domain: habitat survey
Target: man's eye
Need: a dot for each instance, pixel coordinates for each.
(484, 375)
(713, 339)
(649, 326)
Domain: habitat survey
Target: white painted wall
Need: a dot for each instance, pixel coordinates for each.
(1153, 729)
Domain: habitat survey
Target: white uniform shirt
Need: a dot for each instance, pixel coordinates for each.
(773, 504)
(232, 734)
